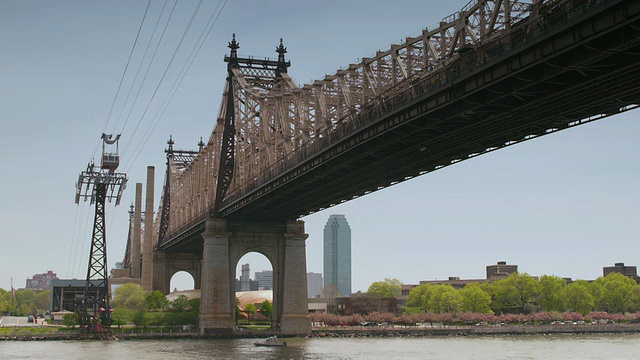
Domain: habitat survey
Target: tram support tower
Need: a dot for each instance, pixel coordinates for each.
(99, 184)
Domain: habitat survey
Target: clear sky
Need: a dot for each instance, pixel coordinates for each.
(564, 204)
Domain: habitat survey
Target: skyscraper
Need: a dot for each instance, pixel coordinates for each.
(337, 256)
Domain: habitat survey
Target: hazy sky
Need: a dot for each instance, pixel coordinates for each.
(564, 204)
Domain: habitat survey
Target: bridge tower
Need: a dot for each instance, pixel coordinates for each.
(226, 240)
(98, 185)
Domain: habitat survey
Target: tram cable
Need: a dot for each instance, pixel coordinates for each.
(176, 85)
(144, 57)
(166, 70)
(122, 77)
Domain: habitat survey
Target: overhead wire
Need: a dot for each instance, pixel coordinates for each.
(104, 127)
(83, 251)
(163, 76)
(73, 237)
(75, 259)
(185, 69)
(153, 33)
(166, 26)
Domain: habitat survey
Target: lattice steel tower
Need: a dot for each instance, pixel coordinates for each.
(98, 185)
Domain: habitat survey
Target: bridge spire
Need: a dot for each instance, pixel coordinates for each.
(233, 56)
(200, 144)
(170, 142)
(282, 63)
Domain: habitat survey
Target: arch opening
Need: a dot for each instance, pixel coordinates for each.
(181, 281)
(253, 290)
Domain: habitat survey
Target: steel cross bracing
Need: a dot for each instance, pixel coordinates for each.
(274, 118)
(126, 261)
(276, 124)
(177, 162)
(96, 293)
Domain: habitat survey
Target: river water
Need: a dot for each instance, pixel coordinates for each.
(554, 347)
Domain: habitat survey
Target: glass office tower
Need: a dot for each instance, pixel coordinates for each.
(337, 256)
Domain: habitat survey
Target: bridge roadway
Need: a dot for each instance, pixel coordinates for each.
(528, 83)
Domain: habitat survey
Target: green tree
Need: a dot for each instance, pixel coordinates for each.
(71, 319)
(551, 293)
(43, 300)
(121, 316)
(519, 291)
(5, 302)
(389, 288)
(266, 309)
(578, 298)
(180, 303)
(250, 310)
(419, 296)
(635, 298)
(194, 305)
(140, 318)
(474, 299)
(156, 301)
(617, 293)
(130, 296)
(444, 299)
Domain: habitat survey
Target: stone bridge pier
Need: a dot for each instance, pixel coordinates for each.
(225, 242)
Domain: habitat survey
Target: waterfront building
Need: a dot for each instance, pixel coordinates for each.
(337, 255)
(314, 285)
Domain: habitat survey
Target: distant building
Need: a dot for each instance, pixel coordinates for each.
(245, 278)
(629, 271)
(494, 273)
(500, 271)
(314, 285)
(454, 281)
(41, 281)
(253, 285)
(264, 279)
(337, 255)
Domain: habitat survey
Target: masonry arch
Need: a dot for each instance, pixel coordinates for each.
(254, 285)
(282, 244)
(182, 280)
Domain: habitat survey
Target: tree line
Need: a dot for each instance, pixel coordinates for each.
(520, 293)
(133, 305)
(25, 302)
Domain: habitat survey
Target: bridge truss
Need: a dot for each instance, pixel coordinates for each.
(270, 124)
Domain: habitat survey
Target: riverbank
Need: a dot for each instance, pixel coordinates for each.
(356, 331)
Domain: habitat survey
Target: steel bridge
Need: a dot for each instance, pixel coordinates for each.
(492, 75)
(496, 73)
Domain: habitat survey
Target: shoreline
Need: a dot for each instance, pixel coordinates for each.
(356, 331)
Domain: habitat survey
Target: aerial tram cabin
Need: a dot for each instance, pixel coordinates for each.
(110, 160)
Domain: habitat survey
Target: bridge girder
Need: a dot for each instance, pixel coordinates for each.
(492, 75)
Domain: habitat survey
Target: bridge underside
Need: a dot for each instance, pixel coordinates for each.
(531, 83)
(590, 67)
